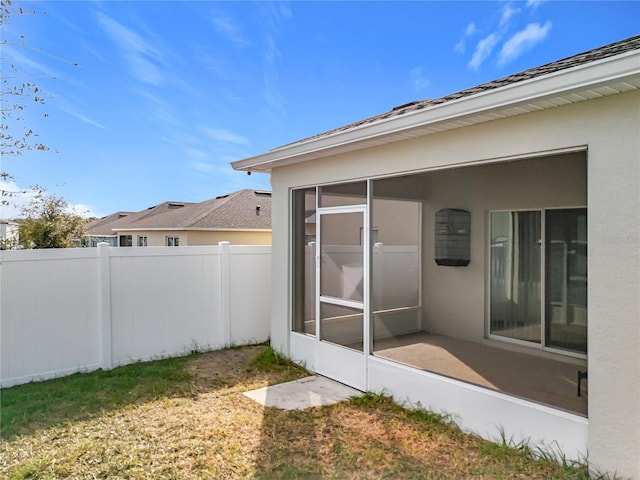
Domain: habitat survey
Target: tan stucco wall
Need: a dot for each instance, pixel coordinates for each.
(610, 128)
(234, 238)
(157, 238)
(454, 297)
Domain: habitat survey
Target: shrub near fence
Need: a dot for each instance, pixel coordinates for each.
(69, 310)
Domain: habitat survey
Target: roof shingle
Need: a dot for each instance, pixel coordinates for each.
(241, 210)
(103, 226)
(623, 46)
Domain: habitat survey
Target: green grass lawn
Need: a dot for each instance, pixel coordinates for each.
(186, 418)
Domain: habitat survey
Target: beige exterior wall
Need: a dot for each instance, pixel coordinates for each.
(609, 128)
(234, 238)
(158, 238)
(454, 297)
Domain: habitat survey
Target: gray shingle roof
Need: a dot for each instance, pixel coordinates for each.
(151, 212)
(236, 211)
(103, 226)
(623, 46)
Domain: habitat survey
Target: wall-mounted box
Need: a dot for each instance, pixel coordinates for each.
(453, 237)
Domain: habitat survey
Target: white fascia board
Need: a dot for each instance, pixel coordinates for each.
(563, 82)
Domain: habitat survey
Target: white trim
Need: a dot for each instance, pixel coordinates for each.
(485, 412)
(302, 349)
(338, 361)
(342, 363)
(341, 302)
(366, 278)
(358, 208)
(317, 272)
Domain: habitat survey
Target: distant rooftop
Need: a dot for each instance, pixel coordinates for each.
(241, 210)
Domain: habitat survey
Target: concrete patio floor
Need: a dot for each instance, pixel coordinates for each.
(313, 391)
(546, 380)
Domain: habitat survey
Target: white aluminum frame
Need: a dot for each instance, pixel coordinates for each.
(365, 267)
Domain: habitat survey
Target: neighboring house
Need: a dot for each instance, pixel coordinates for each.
(9, 235)
(240, 218)
(127, 239)
(453, 239)
(101, 230)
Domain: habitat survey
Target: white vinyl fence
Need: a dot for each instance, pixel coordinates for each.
(68, 310)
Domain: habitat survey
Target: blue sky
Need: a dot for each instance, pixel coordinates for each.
(166, 94)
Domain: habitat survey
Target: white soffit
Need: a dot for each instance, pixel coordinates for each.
(593, 80)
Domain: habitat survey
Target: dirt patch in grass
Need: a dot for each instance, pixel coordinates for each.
(197, 424)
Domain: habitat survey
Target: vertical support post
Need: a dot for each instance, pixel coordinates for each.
(225, 295)
(377, 290)
(310, 287)
(104, 307)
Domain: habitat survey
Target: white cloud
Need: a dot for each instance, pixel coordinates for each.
(20, 198)
(223, 135)
(159, 108)
(483, 50)
(125, 38)
(204, 167)
(25, 63)
(17, 198)
(66, 104)
(274, 13)
(85, 211)
(178, 137)
(196, 154)
(273, 97)
(228, 28)
(533, 4)
(271, 51)
(419, 79)
(86, 119)
(507, 12)
(469, 31)
(523, 41)
(143, 58)
(145, 70)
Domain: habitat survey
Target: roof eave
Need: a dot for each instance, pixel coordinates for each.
(473, 108)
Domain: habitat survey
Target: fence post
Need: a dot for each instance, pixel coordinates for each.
(225, 295)
(104, 307)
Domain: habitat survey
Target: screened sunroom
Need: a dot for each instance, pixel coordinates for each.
(508, 313)
(477, 254)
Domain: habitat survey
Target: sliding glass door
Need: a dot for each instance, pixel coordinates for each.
(566, 279)
(515, 275)
(523, 307)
